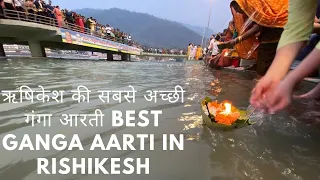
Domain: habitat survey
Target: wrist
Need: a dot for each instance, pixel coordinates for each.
(289, 84)
(292, 79)
(237, 40)
(274, 76)
(275, 72)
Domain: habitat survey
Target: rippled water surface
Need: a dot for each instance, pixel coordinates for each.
(284, 146)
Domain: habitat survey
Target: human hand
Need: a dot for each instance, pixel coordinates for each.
(264, 86)
(280, 97)
(231, 42)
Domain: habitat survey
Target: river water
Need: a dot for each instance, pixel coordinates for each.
(282, 146)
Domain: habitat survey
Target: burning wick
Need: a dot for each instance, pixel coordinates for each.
(227, 111)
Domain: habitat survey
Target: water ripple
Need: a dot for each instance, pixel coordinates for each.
(283, 146)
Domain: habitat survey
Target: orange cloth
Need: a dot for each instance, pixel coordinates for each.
(59, 17)
(199, 53)
(268, 13)
(246, 49)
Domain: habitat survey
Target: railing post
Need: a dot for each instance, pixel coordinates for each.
(18, 15)
(4, 12)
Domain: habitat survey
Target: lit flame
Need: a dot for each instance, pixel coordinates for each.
(227, 110)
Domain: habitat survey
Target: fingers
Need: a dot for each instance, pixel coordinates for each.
(256, 94)
(277, 102)
(300, 96)
(272, 102)
(279, 106)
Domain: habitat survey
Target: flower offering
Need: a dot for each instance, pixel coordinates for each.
(223, 114)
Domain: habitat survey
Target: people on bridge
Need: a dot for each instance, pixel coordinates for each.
(50, 12)
(30, 10)
(18, 5)
(79, 22)
(59, 16)
(9, 4)
(160, 51)
(92, 25)
(38, 10)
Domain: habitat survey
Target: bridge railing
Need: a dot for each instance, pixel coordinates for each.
(35, 18)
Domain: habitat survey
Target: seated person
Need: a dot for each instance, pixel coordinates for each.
(217, 60)
(253, 23)
(212, 50)
(229, 32)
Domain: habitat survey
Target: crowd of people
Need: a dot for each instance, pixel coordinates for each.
(164, 50)
(49, 14)
(195, 52)
(42, 12)
(288, 31)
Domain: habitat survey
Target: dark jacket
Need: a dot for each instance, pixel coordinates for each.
(37, 4)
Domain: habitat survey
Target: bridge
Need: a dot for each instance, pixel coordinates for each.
(144, 54)
(40, 32)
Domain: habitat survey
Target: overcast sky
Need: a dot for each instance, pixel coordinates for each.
(194, 12)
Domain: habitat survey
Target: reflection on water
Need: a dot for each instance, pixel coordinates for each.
(284, 146)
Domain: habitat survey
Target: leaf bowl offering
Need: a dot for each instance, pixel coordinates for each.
(223, 115)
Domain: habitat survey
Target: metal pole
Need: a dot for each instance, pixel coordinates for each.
(205, 34)
(204, 29)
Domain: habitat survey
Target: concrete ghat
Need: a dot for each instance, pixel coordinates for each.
(242, 69)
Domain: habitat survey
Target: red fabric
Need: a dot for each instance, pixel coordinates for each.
(236, 62)
(59, 17)
(220, 60)
(77, 21)
(81, 24)
(223, 60)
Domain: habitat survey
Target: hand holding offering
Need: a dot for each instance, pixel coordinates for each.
(263, 88)
(223, 115)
